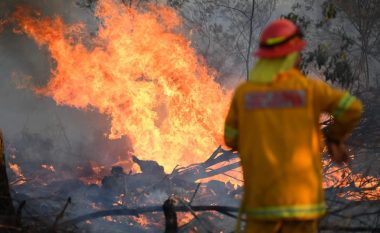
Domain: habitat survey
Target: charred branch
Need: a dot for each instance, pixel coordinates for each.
(195, 193)
(61, 214)
(170, 208)
(143, 210)
(200, 221)
(205, 170)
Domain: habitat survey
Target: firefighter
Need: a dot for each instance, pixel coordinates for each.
(273, 123)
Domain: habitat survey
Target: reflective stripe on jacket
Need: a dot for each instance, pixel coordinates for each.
(275, 127)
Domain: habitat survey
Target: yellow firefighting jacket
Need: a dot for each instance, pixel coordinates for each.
(275, 127)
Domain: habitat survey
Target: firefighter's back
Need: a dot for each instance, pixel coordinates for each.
(279, 144)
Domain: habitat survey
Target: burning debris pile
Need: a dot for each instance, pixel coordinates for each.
(130, 202)
(200, 196)
(164, 98)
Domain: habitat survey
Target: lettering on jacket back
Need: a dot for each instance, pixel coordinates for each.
(275, 99)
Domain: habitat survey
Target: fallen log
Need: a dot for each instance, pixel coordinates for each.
(143, 210)
(204, 170)
(226, 210)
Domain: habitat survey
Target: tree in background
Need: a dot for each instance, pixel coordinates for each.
(364, 17)
(224, 31)
(343, 40)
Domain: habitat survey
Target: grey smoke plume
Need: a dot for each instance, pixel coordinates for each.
(41, 130)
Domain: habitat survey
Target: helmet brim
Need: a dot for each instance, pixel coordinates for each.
(295, 45)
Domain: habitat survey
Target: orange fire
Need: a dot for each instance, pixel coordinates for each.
(98, 173)
(16, 170)
(48, 167)
(142, 220)
(142, 73)
(368, 187)
(184, 218)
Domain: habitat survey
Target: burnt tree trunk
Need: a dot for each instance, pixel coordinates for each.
(7, 211)
(170, 216)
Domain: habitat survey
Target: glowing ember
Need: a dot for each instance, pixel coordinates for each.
(132, 167)
(184, 218)
(141, 73)
(16, 169)
(120, 201)
(48, 167)
(95, 206)
(96, 175)
(142, 220)
(109, 219)
(96, 168)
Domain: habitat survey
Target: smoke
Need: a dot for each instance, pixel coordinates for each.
(69, 135)
(38, 129)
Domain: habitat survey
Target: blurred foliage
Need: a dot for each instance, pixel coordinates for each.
(220, 31)
(330, 56)
(176, 3)
(334, 62)
(329, 11)
(302, 22)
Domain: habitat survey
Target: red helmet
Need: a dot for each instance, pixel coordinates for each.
(280, 38)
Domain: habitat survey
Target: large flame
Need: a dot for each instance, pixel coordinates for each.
(141, 72)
